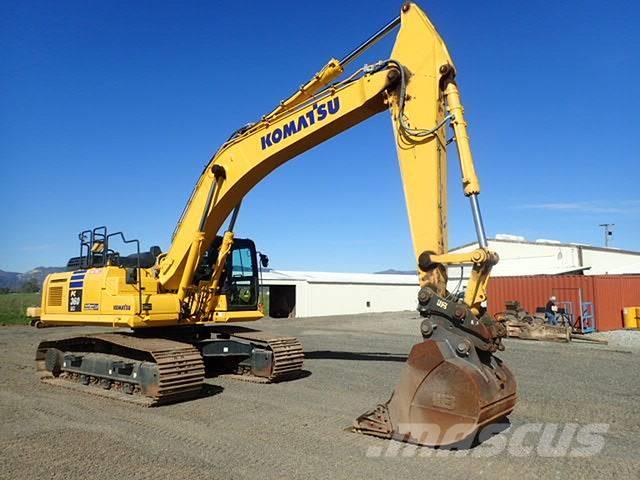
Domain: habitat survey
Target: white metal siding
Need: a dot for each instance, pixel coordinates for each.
(527, 259)
(610, 262)
(340, 299)
(530, 258)
(327, 293)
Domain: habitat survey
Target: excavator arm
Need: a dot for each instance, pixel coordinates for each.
(451, 380)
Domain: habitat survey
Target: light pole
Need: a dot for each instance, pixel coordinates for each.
(607, 232)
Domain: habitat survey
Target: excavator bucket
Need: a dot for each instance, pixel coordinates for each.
(451, 386)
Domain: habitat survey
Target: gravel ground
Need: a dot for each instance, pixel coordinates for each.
(297, 429)
(625, 339)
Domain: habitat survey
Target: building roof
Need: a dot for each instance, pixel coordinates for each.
(553, 243)
(343, 278)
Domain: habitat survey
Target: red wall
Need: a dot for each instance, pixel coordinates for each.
(609, 293)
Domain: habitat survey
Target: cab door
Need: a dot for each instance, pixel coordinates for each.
(241, 282)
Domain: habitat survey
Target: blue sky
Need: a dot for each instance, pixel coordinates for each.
(109, 110)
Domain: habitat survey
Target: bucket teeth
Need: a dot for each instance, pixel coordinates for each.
(375, 422)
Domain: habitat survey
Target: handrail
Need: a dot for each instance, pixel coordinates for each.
(138, 275)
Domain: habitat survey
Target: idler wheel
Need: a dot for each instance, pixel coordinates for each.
(53, 361)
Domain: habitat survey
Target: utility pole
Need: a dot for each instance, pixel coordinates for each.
(607, 232)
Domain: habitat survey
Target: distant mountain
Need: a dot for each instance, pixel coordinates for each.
(14, 280)
(391, 271)
(40, 273)
(8, 279)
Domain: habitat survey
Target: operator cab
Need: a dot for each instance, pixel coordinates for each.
(239, 280)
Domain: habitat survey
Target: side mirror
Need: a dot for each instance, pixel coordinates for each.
(264, 260)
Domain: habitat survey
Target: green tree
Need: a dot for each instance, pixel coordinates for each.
(30, 286)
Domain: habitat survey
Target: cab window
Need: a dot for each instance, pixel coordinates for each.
(243, 282)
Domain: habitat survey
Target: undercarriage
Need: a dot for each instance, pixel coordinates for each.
(165, 366)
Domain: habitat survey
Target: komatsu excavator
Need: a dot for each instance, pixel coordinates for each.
(179, 309)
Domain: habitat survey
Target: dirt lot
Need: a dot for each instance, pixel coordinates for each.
(296, 429)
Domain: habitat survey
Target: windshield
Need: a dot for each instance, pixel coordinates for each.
(242, 289)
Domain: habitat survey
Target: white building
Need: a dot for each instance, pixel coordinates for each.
(519, 256)
(310, 294)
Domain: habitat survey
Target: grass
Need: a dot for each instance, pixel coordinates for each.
(14, 305)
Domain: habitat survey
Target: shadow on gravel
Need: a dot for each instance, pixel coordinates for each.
(302, 374)
(209, 390)
(365, 356)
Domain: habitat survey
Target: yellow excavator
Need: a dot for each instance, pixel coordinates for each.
(180, 309)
